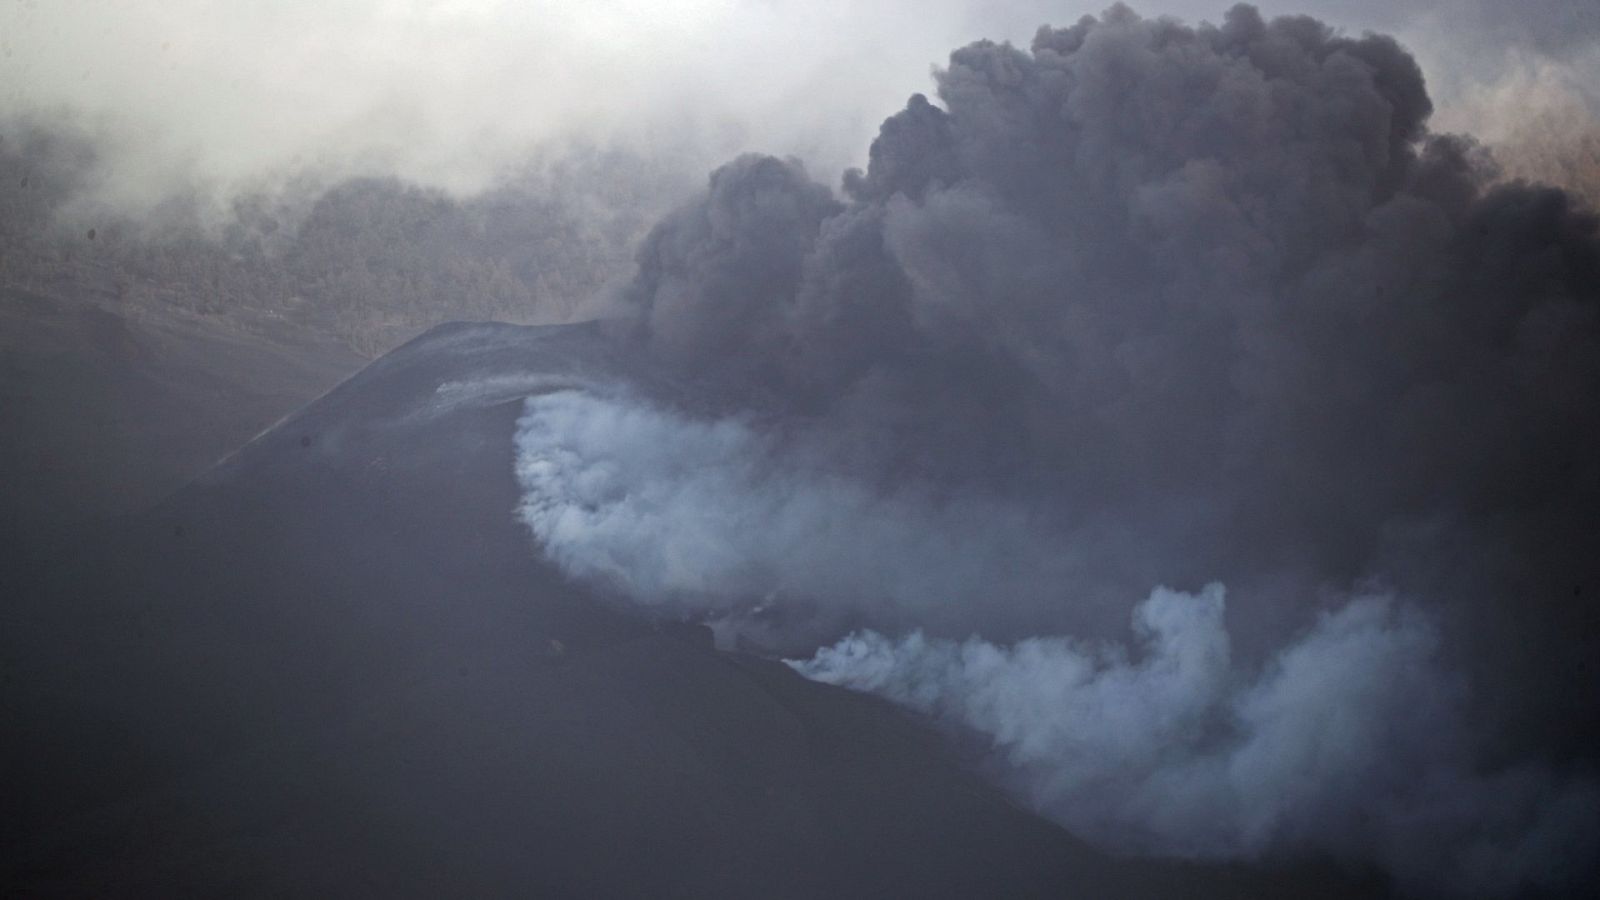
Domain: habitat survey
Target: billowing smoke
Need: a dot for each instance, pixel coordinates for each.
(1216, 290)
(1352, 741)
(1146, 304)
(721, 517)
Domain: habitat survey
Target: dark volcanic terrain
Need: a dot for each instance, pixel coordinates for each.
(336, 665)
(106, 408)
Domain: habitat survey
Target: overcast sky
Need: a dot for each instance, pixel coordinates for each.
(450, 91)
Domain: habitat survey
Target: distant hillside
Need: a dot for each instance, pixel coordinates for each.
(104, 410)
(369, 261)
(137, 350)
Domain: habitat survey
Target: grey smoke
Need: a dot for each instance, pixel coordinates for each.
(1217, 289)
(1147, 304)
(1354, 739)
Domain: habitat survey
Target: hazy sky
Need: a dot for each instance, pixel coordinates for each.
(450, 91)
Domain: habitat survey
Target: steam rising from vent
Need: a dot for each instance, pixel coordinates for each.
(1146, 304)
(717, 517)
(1352, 741)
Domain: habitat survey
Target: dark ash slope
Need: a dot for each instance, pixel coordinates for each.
(336, 666)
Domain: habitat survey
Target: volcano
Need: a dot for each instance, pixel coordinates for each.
(337, 664)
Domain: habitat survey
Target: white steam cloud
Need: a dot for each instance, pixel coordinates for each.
(1352, 741)
(702, 516)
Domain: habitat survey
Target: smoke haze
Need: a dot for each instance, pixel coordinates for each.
(451, 94)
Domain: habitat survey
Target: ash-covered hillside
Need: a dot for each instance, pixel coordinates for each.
(336, 665)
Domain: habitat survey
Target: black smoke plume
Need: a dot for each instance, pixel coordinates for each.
(1147, 304)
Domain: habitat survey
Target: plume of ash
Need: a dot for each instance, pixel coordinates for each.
(1216, 290)
(1353, 741)
(1147, 304)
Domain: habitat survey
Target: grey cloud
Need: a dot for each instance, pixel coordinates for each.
(1144, 262)
(1193, 304)
(714, 270)
(450, 94)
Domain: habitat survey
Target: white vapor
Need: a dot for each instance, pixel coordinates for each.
(712, 516)
(1352, 741)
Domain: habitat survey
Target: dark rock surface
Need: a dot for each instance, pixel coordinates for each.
(336, 666)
